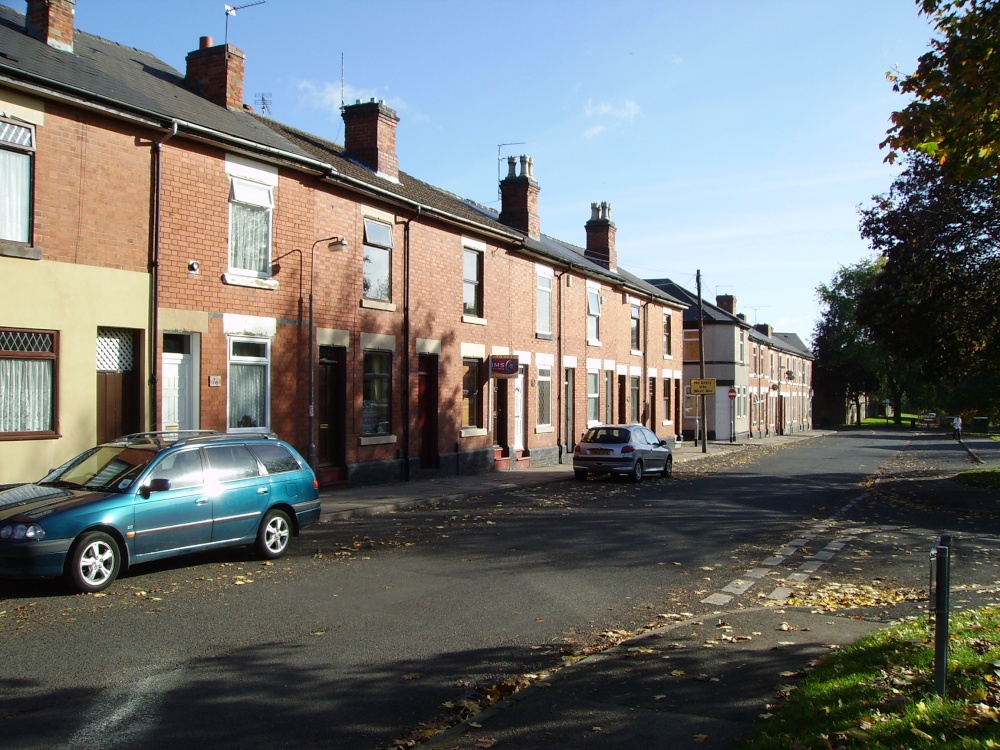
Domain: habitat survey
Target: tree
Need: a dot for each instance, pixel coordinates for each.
(937, 297)
(955, 115)
(849, 363)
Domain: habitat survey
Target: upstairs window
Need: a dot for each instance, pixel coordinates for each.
(472, 283)
(593, 315)
(250, 207)
(543, 306)
(634, 324)
(376, 273)
(667, 338)
(17, 150)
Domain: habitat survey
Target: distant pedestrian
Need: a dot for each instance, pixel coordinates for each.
(956, 428)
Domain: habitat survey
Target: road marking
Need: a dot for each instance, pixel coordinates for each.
(741, 586)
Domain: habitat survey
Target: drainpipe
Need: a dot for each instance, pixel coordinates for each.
(154, 270)
(562, 406)
(406, 345)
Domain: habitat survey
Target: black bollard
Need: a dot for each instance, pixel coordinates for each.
(941, 554)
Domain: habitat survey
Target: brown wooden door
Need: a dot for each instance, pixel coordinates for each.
(332, 404)
(119, 390)
(427, 410)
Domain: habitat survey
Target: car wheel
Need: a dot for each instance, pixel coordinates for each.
(580, 474)
(668, 468)
(93, 563)
(637, 471)
(274, 534)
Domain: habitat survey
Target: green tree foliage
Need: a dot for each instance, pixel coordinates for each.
(955, 113)
(849, 362)
(937, 298)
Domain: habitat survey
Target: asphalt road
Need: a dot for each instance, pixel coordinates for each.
(370, 626)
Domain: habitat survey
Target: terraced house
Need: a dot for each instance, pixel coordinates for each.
(170, 259)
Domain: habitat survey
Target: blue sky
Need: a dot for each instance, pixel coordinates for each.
(735, 137)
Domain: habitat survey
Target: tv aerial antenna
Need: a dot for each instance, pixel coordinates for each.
(500, 162)
(231, 11)
(264, 102)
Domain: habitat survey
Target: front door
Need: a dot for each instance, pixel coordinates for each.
(501, 413)
(118, 384)
(568, 401)
(519, 406)
(179, 391)
(427, 409)
(332, 398)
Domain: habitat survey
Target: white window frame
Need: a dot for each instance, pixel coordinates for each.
(544, 385)
(245, 360)
(252, 197)
(593, 397)
(373, 243)
(668, 337)
(543, 301)
(472, 283)
(17, 155)
(593, 315)
(635, 328)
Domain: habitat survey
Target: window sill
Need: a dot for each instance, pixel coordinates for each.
(472, 432)
(636, 352)
(10, 249)
(233, 279)
(543, 336)
(474, 320)
(668, 356)
(542, 428)
(593, 342)
(374, 304)
(376, 439)
(30, 436)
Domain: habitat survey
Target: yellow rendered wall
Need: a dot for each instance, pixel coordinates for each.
(74, 300)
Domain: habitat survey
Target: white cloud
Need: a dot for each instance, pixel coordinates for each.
(326, 96)
(627, 110)
(594, 131)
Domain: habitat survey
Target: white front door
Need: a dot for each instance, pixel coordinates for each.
(519, 410)
(179, 406)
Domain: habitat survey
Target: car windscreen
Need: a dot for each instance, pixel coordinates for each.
(106, 467)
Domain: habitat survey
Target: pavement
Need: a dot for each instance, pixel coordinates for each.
(699, 682)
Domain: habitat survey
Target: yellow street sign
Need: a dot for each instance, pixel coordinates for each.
(702, 386)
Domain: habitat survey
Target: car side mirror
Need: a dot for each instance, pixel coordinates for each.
(160, 484)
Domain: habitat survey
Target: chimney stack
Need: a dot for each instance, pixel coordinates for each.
(727, 302)
(519, 198)
(601, 236)
(216, 73)
(765, 329)
(370, 137)
(51, 21)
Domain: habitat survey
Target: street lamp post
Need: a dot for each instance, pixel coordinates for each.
(335, 243)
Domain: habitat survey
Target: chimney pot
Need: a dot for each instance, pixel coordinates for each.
(519, 198)
(204, 42)
(51, 21)
(370, 136)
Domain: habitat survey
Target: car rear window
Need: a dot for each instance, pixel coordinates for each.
(276, 458)
(606, 435)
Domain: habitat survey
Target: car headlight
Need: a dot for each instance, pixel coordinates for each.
(22, 531)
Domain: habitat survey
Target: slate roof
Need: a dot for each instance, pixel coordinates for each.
(715, 315)
(411, 189)
(123, 79)
(712, 314)
(139, 85)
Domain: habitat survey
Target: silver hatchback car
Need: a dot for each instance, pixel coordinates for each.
(622, 449)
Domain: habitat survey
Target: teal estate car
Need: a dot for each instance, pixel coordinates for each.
(152, 495)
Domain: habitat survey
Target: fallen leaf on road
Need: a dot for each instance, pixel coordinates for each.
(412, 676)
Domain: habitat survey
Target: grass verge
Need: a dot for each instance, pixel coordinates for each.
(879, 693)
(989, 478)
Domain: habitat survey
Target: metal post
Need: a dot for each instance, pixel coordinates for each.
(941, 554)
